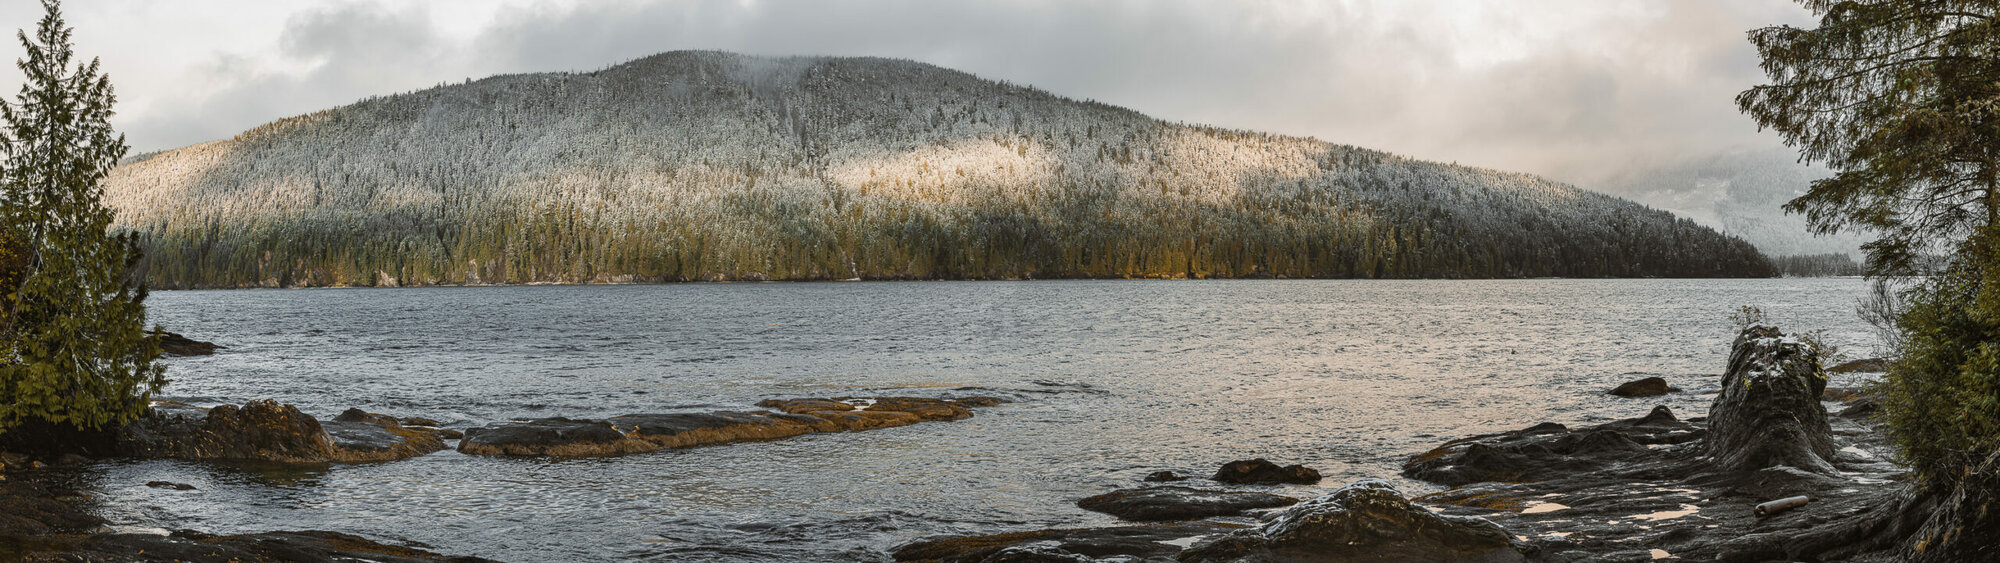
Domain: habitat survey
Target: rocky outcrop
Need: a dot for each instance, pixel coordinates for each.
(638, 433)
(1126, 543)
(1769, 412)
(177, 345)
(268, 431)
(1262, 472)
(1156, 504)
(1363, 522)
(1549, 450)
(1647, 387)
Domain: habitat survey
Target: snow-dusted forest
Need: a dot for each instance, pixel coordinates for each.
(706, 165)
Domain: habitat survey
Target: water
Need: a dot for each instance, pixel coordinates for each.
(1111, 380)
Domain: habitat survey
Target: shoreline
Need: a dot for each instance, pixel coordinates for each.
(946, 280)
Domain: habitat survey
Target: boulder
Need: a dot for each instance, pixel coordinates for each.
(637, 433)
(1129, 543)
(1768, 413)
(177, 345)
(556, 436)
(1648, 387)
(257, 431)
(1262, 472)
(1363, 522)
(1153, 504)
(363, 437)
(1164, 477)
(1549, 450)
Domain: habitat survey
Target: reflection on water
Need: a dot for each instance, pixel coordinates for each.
(1112, 380)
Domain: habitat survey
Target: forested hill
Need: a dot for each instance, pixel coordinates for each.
(706, 165)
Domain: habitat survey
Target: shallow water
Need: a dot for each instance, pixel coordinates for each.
(1112, 380)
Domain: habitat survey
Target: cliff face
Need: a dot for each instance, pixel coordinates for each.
(705, 165)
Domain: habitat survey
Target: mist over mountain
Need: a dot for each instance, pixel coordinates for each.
(714, 166)
(1742, 193)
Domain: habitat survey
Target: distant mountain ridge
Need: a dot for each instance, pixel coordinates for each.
(717, 166)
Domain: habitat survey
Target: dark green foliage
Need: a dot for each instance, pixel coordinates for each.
(708, 166)
(75, 351)
(1943, 394)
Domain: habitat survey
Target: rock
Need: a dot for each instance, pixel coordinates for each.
(1769, 413)
(268, 431)
(178, 345)
(1164, 477)
(1840, 394)
(970, 402)
(1263, 472)
(1869, 365)
(1365, 521)
(257, 431)
(1153, 504)
(637, 433)
(1147, 542)
(416, 421)
(552, 437)
(305, 546)
(1549, 450)
(170, 485)
(1648, 387)
(1963, 526)
(1864, 407)
(363, 437)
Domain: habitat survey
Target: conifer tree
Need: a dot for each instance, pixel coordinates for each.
(75, 350)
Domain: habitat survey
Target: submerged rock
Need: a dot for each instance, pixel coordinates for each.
(638, 433)
(1152, 504)
(1769, 413)
(177, 345)
(1127, 543)
(1262, 472)
(1164, 477)
(1365, 521)
(268, 431)
(1648, 387)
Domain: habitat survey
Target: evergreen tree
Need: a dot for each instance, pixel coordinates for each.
(1902, 99)
(75, 351)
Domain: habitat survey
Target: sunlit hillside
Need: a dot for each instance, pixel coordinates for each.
(705, 165)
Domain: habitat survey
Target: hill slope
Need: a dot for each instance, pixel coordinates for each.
(705, 165)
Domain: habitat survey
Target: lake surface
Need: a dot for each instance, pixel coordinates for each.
(1111, 380)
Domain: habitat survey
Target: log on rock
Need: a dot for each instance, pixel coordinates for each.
(639, 433)
(1768, 413)
(1155, 504)
(1365, 521)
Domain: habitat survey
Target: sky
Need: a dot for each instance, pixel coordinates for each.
(1595, 92)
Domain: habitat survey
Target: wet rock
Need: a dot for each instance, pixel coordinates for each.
(554, 436)
(1840, 394)
(1549, 450)
(1164, 477)
(1869, 365)
(170, 485)
(1154, 504)
(1648, 387)
(1146, 542)
(417, 421)
(636, 433)
(1365, 521)
(257, 431)
(1864, 407)
(177, 345)
(1769, 413)
(306, 546)
(363, 437)
(1262, 472)
(971, 402)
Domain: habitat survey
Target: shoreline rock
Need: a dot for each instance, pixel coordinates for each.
(1368, 520)
(1647, 387)
(641, 433)
(1168, 503)
(268, 431)
(1261, 471)
(177, 345)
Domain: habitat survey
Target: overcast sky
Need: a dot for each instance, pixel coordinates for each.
(1580, 90)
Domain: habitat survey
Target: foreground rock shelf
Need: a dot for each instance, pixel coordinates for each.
(269, 431)
(639, 433)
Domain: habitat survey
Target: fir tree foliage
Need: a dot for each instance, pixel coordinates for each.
(75, 350)
(717, 166)
(1901, 98)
